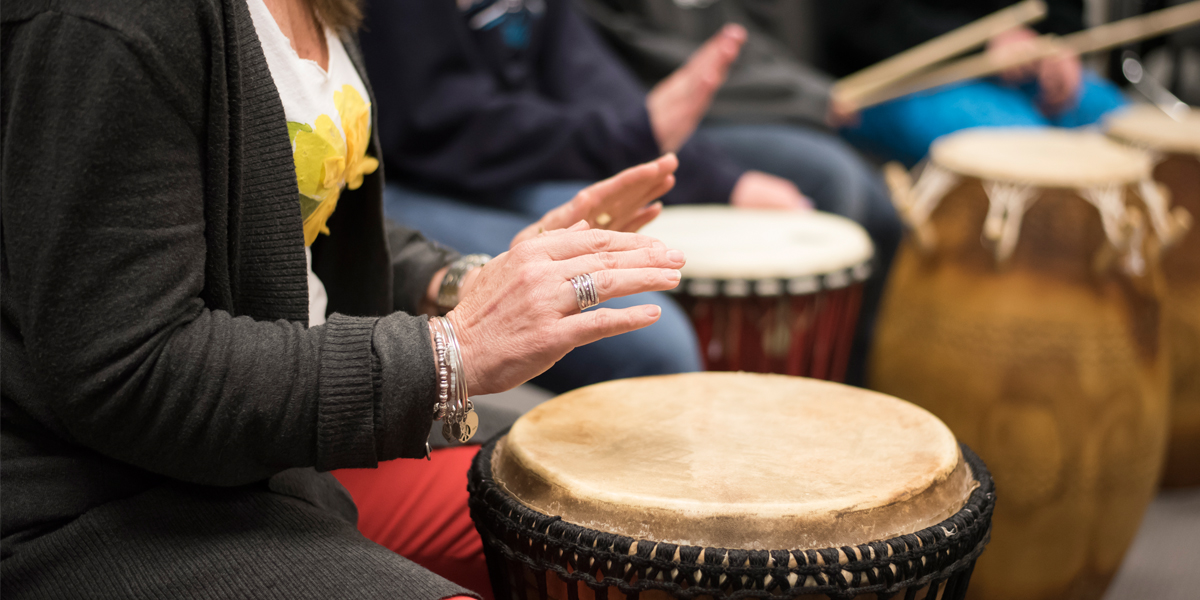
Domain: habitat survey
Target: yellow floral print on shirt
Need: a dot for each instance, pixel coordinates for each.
(325, 162)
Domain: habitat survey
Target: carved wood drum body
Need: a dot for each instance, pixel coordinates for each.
(769, 291)
(1175, 146)
(1024, 312)
(717, 485)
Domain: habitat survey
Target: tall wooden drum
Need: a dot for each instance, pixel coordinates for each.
(729, 485)
(1175, 146)
(1023, 310)
(770, 291)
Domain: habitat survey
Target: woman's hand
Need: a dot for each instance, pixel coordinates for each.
(620, 203)
(677, 104)
(520, 315)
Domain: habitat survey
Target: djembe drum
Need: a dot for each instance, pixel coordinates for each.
(769, 291)
(1023, 310)
(1176, 147)
(720, 485)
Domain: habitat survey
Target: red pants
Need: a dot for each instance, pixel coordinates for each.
(418, 509)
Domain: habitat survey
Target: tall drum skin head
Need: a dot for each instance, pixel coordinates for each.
(722, 242)
(1048, 158)
(1149, 127)
(735, 460)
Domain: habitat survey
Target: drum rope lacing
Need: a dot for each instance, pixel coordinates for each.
(1007, 203)
(940, 556)
(1169, 225)
(931, 187)
(1124, 233)
(916, 202)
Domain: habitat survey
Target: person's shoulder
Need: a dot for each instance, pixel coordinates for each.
(170, 38)
(141, 22)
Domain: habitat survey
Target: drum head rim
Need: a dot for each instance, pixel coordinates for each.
(857, 246)
(1130, 126)
(702, 450)
(961, 154)
(707, 287)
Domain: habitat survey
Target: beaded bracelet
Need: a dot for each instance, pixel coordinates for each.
(439, 409)
(454, 407)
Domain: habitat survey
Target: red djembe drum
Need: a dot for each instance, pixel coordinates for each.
(770, 291)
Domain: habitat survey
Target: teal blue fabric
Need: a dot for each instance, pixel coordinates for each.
(904, 129)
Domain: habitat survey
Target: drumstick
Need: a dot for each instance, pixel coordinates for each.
(1095, 39)
(1133, 29)
(853, 88)
(980, 65)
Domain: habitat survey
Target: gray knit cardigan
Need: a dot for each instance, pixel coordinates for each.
(163, 401)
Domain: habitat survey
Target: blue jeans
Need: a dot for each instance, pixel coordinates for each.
(903, 129)
(668, 346)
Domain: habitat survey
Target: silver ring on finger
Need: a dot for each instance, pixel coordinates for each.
(585, 291)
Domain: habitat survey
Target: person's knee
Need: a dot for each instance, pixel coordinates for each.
(850, 185)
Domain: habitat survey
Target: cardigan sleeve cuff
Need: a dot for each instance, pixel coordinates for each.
(407, 386)
(346, 405)
(377, 390)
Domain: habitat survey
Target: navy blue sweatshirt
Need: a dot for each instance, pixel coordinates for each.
(475, 102)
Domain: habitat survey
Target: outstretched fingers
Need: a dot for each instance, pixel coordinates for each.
(623, 194)
(659, 257)
(643, 217)
(572, 243)
(593, 325)
(711, 62)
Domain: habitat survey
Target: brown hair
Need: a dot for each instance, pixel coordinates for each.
(339, 15)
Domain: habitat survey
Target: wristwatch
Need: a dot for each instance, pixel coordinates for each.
(447, 297)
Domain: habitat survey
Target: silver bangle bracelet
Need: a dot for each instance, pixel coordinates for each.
(443, 371)
(447, 297)
(454, 407)
(460, 378)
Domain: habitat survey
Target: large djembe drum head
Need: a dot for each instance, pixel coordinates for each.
(1175, 143)
(713, 483)
(769, 290)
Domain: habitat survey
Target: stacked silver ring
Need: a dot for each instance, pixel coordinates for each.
(585, 291)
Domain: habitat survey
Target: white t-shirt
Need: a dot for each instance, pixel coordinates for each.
(329, 124)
